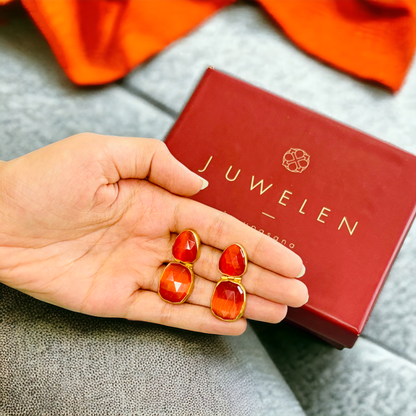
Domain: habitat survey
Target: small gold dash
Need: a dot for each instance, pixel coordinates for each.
(267, 215)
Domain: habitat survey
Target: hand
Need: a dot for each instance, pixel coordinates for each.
(88, 224)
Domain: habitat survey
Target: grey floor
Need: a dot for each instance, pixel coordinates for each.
(376, 377)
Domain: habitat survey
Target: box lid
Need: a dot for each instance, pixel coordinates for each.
(341, 199)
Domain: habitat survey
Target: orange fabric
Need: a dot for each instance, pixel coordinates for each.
(372, 39)
(98, 41)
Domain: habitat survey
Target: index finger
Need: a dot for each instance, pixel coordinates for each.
(219, 230)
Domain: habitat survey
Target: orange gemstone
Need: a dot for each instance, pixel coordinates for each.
(175, 283)
(233, 261)
(228, 300)
(185, 247)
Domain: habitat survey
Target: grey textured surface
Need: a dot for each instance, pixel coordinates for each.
(393, 320)
(377, 377)
(54, 361)
(243, 41)
(275, 395)
(367, 380)
(39, 105)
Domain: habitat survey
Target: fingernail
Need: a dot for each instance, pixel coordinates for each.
(205, 183)
(302, 272)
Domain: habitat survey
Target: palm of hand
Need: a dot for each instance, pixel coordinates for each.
(84, 232)
(93, 245)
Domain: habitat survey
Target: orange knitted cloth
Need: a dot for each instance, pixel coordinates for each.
(99, 41)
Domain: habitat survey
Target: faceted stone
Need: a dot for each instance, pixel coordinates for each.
(175, 283)
(233, 261)
(185, 247)
(228, 300)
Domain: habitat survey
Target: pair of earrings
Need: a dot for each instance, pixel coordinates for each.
(228, 301)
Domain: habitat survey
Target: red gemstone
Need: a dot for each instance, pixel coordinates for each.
(228, 300)
(175, 283)
(185, 248)
(233, 261)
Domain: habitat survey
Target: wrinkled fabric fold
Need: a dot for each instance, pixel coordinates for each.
(99, 41)
(370, 39)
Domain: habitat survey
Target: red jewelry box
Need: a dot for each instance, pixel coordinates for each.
(341, 199)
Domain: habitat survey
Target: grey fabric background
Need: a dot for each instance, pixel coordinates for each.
(53, 359)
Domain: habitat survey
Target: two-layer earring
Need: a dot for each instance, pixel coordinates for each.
(177, 280)
(229, 298)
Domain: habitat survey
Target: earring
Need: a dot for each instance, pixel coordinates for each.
(228, 300)
(177, 280)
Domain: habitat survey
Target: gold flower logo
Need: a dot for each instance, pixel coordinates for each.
(296, 160)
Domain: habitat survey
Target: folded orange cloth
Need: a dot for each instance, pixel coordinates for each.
(371, 39)
(99, 41)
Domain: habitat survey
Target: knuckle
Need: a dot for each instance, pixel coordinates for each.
(204, 322)
(158, 145)
(208, 262)
(259, 278)
(259, 243)
(213, 262)
(218, 228)
(165, 314)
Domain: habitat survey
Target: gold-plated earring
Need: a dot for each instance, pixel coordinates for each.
(177, 280)
(229, 298)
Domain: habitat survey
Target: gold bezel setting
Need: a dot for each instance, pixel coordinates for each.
(185, 264)
(246, 261)
(191, 287)
(233, 279)
(198, 246)
(243, 308)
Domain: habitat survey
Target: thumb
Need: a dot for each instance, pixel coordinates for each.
(150, 158)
